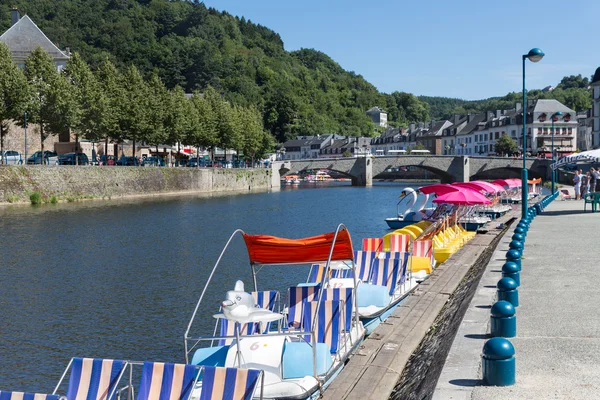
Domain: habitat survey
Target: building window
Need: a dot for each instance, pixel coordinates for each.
(497, 135)
(513, 133)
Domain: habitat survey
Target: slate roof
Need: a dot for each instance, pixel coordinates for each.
(375, 110)
(24, 37)
(596, 78)
(550, 106)
(471, 126)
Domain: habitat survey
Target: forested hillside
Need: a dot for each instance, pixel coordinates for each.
(188, 44)
(572, 91)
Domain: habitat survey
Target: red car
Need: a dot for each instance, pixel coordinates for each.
(107, 160)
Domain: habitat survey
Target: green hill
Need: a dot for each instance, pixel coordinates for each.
(188, 44)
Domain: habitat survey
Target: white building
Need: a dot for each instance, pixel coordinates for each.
(379, 116)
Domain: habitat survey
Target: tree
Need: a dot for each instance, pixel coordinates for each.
(506, 145)
(85, 102)
(158, 104)
(203, 124)
(110, 96)
(253, 132)
(179, 117)
(13, 94)
(133, 118)
(49, 101)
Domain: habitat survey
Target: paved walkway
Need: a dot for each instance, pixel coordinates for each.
(558, 320)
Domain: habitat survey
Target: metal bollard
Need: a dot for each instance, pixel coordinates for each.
(514, 256)
(507, 290)
(498, 362)
(518, 236)
(503, 320)
(512, 271)
(516, 245)
(520, 231)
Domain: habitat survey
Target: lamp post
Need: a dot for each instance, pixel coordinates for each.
(555, 117)
(25, 127)
(534, 55)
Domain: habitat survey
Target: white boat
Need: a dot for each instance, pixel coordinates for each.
(301, 349)
(411, 209)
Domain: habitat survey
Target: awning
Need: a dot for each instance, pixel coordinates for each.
(263, 249)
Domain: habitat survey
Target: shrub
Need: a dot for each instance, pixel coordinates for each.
(53, 200)
(35, 198)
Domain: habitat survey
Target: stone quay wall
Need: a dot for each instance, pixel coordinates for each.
(81, 182)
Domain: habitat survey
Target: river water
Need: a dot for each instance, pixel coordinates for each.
(120, 279)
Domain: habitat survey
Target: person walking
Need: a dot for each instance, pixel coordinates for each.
(585, 183)
(593, 179)
(577, 184)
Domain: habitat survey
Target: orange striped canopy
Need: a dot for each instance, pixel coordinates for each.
(263, 249)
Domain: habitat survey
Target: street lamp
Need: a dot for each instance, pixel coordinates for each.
(534, 55)
(555, 118)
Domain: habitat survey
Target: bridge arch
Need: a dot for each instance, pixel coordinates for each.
(443, 175)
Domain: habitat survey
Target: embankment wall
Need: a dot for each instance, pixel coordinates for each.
(78, 182)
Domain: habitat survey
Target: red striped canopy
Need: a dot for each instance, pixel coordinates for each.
(264, 249)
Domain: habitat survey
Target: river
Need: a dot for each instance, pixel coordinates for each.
(120, 279)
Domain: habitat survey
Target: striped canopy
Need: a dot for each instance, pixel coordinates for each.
(591, 156)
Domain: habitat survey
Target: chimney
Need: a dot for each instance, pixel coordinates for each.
(411, 127)
(15, 16)
(469, 117)
(518, 107)
(489, 115)
(498, 113)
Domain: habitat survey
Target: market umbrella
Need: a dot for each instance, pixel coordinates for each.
(464, 197)
(439, 189)
(590, 156)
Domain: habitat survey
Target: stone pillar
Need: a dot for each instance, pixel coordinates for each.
(460, 169)
(362, 172)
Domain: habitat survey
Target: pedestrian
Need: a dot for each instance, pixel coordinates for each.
(593, 179)
(585, 183)
(577, 185)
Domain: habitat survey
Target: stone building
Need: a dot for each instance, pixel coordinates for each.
(22, 38)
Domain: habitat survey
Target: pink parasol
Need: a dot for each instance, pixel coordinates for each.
(465, 197)
(509, 183)
(439, 189)
(481, 186)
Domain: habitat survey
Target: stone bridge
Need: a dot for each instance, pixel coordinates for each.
(362, 170)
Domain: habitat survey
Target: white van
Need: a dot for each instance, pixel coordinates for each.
(11, 157)
(396, 152)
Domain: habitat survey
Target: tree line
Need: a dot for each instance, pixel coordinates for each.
(573, 91)
(187, 44)
(108, 104)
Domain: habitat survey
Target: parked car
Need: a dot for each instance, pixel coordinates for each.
(107, 160)
(50, 158)
(11, 157)
(153, 161)
(128, 160)
(193, 162)
(73, 159)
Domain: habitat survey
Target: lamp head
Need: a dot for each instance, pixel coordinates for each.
(535, 55)
(557, 115)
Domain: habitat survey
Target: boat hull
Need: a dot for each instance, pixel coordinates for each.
(398, 223)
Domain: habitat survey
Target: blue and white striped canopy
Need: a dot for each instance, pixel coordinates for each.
(590, 156)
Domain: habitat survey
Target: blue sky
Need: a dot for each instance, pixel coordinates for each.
(469, 49)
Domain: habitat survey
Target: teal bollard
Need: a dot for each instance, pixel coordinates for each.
(520, 231)
(516, 245)
(498, 362)
(514, 256)
(512, 271)
(503, 321)
(507, 290)
(518, 236)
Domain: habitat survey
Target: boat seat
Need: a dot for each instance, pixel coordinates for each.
(385, 272)
(372, 295)
(345, 296)
(297, 361)
(328, 322)
(418, 264)
(296, 297)
(372, 244)
(363, 261)
(230, 383)
(93, 378)
(212, 356)
(4, 395)
(165, 381)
